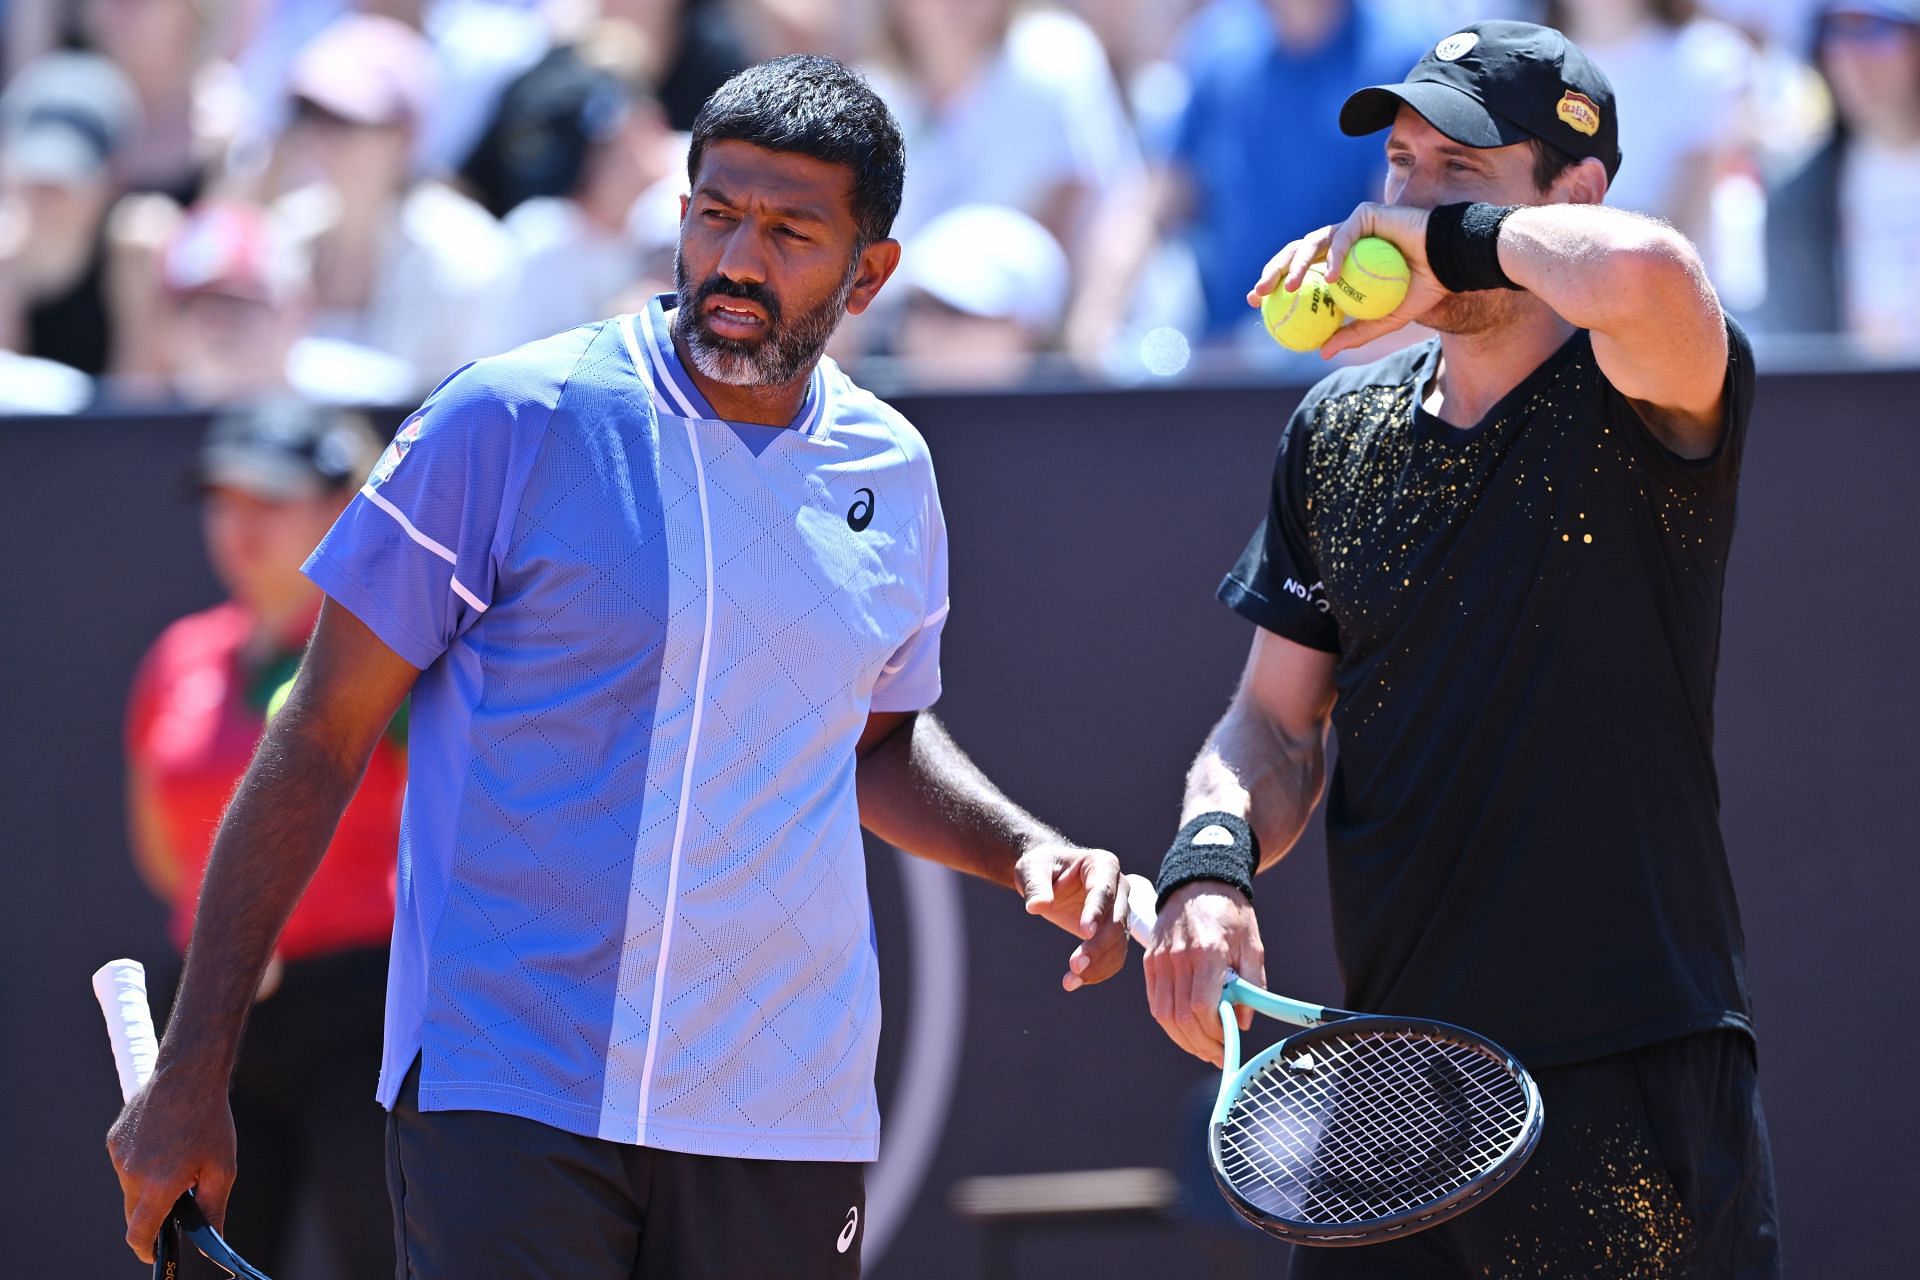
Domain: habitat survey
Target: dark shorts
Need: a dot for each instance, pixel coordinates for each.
(1653, 1165)
(478, 1193)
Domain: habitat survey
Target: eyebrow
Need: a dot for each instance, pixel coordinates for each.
(791, 213)
(1448, 148)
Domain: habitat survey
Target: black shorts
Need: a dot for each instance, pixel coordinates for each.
(478, 1193)
(1653, 1165)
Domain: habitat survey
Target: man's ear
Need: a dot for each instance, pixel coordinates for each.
(1583, 182)
(878, 261)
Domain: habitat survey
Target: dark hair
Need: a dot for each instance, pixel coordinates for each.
(816, 107)
(1549, 162)
(1670, 14)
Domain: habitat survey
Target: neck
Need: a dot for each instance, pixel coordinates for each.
(1477, 369)
(771, 406)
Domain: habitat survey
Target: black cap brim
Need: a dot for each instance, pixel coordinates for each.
(1452, 111)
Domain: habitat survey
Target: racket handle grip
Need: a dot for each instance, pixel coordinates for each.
(121, 988)
(1141, 908)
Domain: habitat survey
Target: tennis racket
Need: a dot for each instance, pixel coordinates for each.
(121, 988)
(1359, 1128)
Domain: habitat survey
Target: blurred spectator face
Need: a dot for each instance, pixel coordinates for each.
(62, 121)
(767, 263)
(956, 348)
(273, 479)
(933, 32)
(156, 42)
(257, 543)
(359, 90)
(238, 305)
(366, 163)
(986, 287)
(1872, 59)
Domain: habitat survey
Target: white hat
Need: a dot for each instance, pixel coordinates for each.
(989, 260)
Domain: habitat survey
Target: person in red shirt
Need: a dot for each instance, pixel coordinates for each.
(272, 478)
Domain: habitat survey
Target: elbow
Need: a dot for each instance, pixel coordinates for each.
(1655, 265)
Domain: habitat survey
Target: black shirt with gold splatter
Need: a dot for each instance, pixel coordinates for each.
(1523, 824)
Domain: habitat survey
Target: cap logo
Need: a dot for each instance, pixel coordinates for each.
(1579, 113)
(1455, 47)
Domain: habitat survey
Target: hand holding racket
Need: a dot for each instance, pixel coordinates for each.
(1358, 1128)
(121, 988)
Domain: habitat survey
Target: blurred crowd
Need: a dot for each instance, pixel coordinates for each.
(211, 201)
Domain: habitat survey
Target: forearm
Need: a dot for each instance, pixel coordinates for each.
(270, 842)
(1606, 269)
(1250, 767)
(919, 792)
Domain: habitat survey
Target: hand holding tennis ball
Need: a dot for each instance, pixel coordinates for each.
(1302, 320)
(1373, 279)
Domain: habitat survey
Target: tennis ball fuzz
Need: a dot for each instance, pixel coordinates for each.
(1301, 321)
(1373, 279)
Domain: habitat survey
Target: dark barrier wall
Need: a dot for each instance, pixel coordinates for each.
(1084, 661)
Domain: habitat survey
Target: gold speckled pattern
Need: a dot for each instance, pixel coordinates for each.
(1639, 1228)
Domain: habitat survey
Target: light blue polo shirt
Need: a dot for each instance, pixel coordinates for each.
(632, 896)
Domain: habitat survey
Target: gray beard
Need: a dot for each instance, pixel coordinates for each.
(788, 350)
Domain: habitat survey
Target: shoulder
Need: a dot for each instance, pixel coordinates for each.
(858, 413)
(519, 391)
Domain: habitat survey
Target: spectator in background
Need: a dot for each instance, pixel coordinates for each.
(238, 296)
(1843, 232)
(575, 143)
(272, 481)
(1007, 106)
(63, 121)
(412, 268)
(1684, 83)
(696, 47)
(190, 104)
(985, 289)
(1257, 159)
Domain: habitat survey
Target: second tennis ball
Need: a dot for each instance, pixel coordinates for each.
(1373, 279)
(1302, 320)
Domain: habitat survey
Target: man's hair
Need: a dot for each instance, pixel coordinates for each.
(1549, 162)
(815, 107)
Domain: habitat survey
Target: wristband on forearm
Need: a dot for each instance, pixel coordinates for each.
(1214, 846)
(1463, 246)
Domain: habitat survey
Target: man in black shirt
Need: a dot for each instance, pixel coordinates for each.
(1494, 562)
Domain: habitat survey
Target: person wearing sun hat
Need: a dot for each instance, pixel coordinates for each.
(1494, 561)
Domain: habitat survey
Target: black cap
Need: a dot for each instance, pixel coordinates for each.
(1497, 83)
(287, 449)
(543, 127)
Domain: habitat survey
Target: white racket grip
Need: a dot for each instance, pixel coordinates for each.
(1141, 908)
(121, 988)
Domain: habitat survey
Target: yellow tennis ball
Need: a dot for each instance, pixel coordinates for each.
(1373, 279)
(279, 698)
(1301, 321)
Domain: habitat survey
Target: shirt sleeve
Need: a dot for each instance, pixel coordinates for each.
(1275, 583)
(1719, 470)
(910, 681)
(414, 555)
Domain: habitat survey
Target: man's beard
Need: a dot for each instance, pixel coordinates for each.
(779, 356)
(1471, 313)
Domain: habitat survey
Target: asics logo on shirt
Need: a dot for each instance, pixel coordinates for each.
(845, 1242)
(860, 514)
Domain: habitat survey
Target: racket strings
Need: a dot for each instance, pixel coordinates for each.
(1370, 1124)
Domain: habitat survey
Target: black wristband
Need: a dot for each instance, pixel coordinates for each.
(1463, 246)
(1214, 846)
